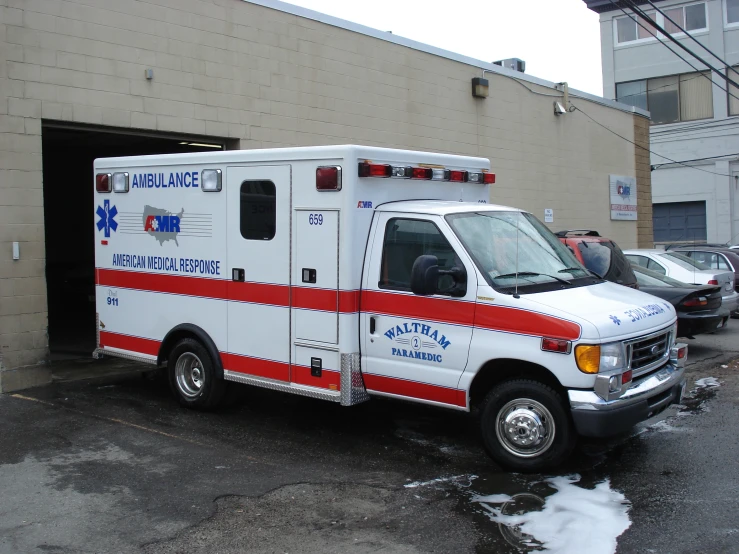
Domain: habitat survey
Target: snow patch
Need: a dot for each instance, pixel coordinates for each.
(573, 519)
(707, 383)
(455, 479)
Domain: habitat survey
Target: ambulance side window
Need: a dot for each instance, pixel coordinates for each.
(258, 213)
(405, 240)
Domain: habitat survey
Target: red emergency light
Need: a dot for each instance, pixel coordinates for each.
(103, 181)
(375, 170)
(457, 176)
(328, 178)
(422, 173)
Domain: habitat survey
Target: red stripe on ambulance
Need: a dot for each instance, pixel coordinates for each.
(413, 389)
(136, 345)
(524, 322)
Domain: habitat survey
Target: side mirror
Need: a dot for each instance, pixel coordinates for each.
(425, 277)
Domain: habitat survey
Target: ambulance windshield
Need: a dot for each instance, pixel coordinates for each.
(514, 248)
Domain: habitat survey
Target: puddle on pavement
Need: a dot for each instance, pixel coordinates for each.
(518, 513)
(695, 402)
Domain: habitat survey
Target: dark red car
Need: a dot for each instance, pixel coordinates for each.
(600, 255)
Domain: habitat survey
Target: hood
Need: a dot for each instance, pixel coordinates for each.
(615, 311)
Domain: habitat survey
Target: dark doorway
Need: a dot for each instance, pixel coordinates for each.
(68, 155)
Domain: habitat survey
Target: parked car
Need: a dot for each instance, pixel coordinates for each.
(724, 259)
(600, 255)
(699, 307)
(679, 266)
(676, 245)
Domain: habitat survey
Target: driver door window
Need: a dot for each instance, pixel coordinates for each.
(407, 239)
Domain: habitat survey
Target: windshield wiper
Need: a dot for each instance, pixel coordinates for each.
(586, 270)
(533, 274)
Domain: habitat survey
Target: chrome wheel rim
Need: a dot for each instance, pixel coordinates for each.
(525, 428)
(189, 374)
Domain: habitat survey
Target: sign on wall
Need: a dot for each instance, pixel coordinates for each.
(548, 215)
(623, 197)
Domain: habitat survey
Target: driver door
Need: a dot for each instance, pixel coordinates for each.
(415, 346)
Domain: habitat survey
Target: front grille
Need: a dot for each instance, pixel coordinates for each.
(645, 352)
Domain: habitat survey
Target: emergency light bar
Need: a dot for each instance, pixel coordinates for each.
(367, 169)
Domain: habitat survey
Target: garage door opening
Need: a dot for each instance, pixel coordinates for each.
(68, 155)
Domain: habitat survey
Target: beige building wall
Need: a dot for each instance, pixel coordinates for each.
(266, 78)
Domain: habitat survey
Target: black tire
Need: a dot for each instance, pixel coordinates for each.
(538, 416)
(194, 382)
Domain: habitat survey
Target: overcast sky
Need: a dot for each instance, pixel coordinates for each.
(558, 39)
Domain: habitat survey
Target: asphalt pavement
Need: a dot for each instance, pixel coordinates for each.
(113, 464)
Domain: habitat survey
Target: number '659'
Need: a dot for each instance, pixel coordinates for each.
(315, 219)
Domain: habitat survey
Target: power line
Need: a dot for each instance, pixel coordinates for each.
(635, 18)
(643, 147)
(636, 9)
(703, 159)
(691, 36)
(689, 126)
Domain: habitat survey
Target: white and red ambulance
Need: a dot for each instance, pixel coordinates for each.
(346, 272)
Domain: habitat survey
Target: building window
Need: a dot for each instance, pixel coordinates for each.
(628, 30)
(691, 18)
(258, 213)
(686, 97)
(733, 102)
(732, 12)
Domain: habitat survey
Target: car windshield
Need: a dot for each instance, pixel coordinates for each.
(516, 248)
(647, 278)
(684, 261)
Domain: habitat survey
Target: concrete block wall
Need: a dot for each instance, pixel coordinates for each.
(266, 78)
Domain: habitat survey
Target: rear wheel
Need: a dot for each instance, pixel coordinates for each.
(192, 376)
(526, 427)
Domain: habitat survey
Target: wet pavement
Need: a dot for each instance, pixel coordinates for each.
(113, 464)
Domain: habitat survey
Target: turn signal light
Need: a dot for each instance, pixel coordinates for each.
(587, 357)
(556, 345)
(694, 302)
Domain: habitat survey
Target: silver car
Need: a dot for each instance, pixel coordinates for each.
(679, 266)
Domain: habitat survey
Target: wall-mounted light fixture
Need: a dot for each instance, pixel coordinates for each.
(480, 87)
(149, 74)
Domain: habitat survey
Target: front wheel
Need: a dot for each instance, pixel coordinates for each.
(526, 427)
(192, 376)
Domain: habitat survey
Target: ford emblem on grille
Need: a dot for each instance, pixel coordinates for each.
(654, 350)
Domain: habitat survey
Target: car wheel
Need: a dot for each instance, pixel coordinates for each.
(526, 426)
(192, 376)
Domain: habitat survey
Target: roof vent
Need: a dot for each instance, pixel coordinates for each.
(516, 64)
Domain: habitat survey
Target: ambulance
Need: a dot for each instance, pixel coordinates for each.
(344, 273)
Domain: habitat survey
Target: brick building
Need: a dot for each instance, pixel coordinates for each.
(75, 85)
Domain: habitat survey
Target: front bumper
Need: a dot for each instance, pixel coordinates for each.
(595, 417)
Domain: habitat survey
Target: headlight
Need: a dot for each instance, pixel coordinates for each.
(612, 357)
(604, 358)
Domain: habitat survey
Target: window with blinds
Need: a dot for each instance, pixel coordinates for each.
(674, 98)
(734, 92)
